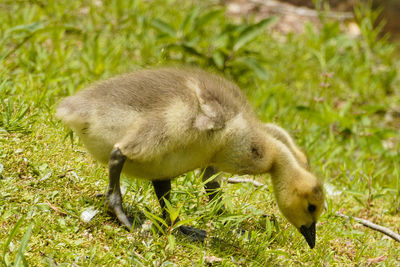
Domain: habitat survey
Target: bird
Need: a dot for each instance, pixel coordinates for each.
(159, 123)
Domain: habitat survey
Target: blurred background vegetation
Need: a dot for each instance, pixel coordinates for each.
(330, 77)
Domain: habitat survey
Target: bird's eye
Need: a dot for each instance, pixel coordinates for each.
(311, 208)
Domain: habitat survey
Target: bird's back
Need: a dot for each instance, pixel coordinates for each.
(145, 91)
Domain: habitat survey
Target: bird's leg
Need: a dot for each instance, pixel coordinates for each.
(162, 189)
(114, 197)
(212, 187)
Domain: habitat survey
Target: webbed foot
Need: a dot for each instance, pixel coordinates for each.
(192, 233)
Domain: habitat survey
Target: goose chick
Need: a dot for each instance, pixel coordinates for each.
(158, 124)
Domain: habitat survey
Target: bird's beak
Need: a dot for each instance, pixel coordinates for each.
(309, 234)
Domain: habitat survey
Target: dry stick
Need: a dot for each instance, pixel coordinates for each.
(284, 8)
(235, 180)
(364, 222)
(373, 226)
(55, 208)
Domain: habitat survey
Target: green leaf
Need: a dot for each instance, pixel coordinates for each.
(171, 242)
(186, 49)
(11, 235)
(188, 23)
(24, 243)
(173, 212)
(30, 28)
(191, 50)
(252, 31)
(207, 18)
(254, 65)
(183, 222)
(156, 220)
(218, 59)
(163, 27)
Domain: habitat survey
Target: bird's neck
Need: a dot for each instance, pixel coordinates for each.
(284, 168)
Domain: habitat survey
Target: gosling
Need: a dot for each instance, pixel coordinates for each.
(158, 124)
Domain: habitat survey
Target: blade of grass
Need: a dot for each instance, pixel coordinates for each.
(252, 31)
(24, 243)
(11, 236)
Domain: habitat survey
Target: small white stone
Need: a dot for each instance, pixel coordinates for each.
(88, 214)
(212, 259)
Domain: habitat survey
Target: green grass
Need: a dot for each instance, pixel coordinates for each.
(333, 93)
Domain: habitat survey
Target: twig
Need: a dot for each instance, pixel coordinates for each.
(364, 222)
(56, 209)
(235, 180)
(373, 226)
(284, 8)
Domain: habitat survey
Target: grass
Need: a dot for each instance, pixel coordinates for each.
(334, 93)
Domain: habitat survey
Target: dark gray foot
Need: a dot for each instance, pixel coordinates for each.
(192, 233)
